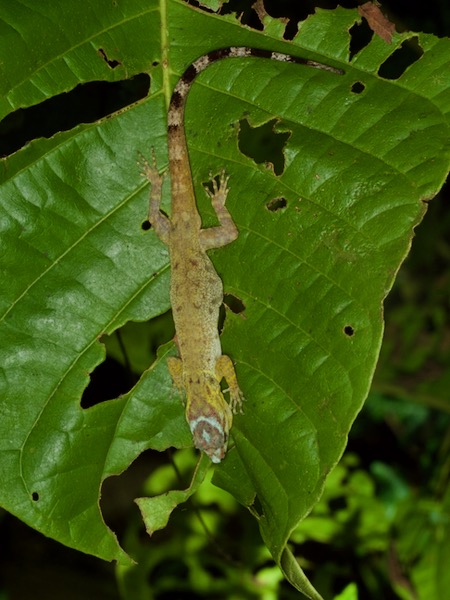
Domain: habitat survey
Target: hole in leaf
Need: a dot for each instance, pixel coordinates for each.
(276, 204)
(130, 351)
(358, 87)
(146, 225)
(360, 36)
(247, 14)
(86, 103)
(289, 12)
(256, 508)
(119, 491)
(291, 29)
(234, 303)
(111, 63)
(292, 13)
(35, 496)
(406, 55)
(348, 330)
(263, 144)
(109, 380)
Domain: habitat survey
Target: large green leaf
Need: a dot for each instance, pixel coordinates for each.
(359, 163)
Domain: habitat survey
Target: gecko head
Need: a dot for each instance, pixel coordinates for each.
(210, 418)
(210, 437)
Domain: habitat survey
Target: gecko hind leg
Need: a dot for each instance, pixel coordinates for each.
(225, 370)
(175, 366)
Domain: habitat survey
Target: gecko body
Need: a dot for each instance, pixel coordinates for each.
(196, 289)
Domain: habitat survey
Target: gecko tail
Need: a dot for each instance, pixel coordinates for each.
(181, 91)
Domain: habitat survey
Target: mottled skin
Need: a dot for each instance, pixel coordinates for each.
(196, 294)
(196, 289)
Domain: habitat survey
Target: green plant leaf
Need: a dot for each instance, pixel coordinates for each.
(363, 154)
(156, 511)
(349, 593)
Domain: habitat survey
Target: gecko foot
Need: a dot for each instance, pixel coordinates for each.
(225, 370)
(150, 171)
(236, 400)
(219, 191)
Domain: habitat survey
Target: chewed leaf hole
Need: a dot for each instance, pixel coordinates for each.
(256, 508)
(109, 380)
(35, 496)
(358, 87)
(263, 144)
(249, 15)
(86, 103)
(146, 225)
(276, 204)
(130, 350)
(112, 64)
(234, 303)
(348, 330)
(360, 36)
(405, 56)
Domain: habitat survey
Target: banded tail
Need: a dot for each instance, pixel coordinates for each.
(178, 154)
(181, 91)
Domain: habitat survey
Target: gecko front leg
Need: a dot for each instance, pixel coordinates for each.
(226, 232)
(157, 219)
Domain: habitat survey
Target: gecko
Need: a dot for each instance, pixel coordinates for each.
(196, 290)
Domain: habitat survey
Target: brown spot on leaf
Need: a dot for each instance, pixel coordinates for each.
(377, 21)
